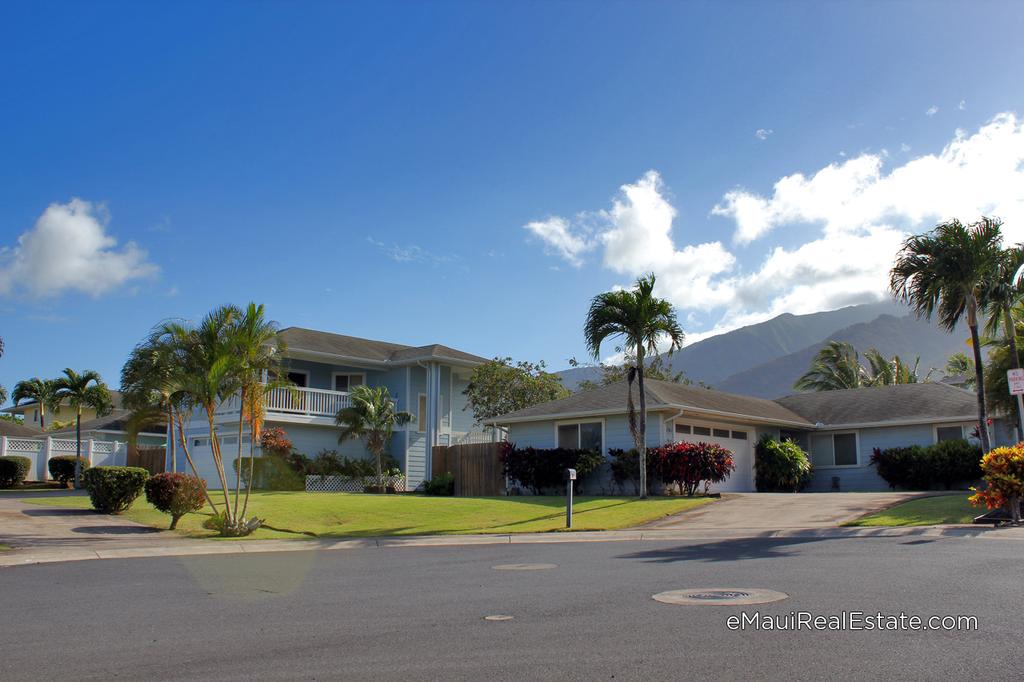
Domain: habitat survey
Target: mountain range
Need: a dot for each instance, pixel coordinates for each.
(765, 359)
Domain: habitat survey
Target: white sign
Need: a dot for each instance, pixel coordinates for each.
(1015, 378)
(572, 472)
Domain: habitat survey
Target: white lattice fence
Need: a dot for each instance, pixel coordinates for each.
(40, 450)
(345, 484)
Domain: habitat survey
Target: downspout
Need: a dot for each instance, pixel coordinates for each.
(672, 421)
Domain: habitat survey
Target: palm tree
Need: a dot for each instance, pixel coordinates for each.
(3, 391)
(641, 320)
(371, 414)
(944, 272)
(883, 371)
(835, 367)
(81, 390)
(43, 392)
(148, 389)
(257, 349)
(1000, 294)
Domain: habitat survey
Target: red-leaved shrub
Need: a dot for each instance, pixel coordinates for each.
(176, 494)
(689, 465)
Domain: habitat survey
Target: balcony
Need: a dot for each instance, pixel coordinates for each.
(311, 402)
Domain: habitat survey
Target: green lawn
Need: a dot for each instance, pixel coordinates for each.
(355, 515)
(925, 511)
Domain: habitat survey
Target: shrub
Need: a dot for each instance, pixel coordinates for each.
(62, 468)
(176, 494)
(688, 465)
(13, 470)
(1003, 471)
(780, 466)
(275, 441)
(269, 472)
(442, 484)
(543, 470)
(113, 489)
(625, 466)
(330, 463)
(918, 467)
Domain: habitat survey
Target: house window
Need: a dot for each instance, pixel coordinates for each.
(421, 415)
(35, 415)
(834, 449)
(701, 431)
(682, 428)
(739, 435)
(297, 378)
(949, 433)
(721, 433)
(582, 436)
(346, 382)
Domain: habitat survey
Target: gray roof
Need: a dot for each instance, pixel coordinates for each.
(924, 402)
(115, 421)
(14, 430)
(297, 338)
(661, 395)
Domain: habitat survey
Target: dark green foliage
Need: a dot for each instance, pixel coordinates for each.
(780, 466)
(625, 466)
(62, 468)
(331, 463)
(442, 484)
(918, 467)
(270, 472)
(113, 489)
(543, 470)
(176, 494)
(13, 470)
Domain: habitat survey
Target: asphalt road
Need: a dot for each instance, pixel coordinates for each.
(418, 613)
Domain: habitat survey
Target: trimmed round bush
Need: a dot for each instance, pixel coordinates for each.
(13, 470)
(113, 489)
(780, 466)
(62, 468)
(176, 494)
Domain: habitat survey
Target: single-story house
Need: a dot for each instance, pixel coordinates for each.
(13, 429)
(427, 381)
(63, 414)
(115, 427)
(839, 429)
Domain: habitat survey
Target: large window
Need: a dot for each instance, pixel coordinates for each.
(421, 416)
(582, 436)
(346, 382)
(949, 433)
(834, 449)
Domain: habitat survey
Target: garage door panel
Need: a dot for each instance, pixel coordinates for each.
(742, 479)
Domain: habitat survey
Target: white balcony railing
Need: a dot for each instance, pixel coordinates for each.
(315, 402)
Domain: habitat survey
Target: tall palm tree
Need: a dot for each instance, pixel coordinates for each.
(43, 392)
(640, 319)
(944, 273)
(81, 390)
(835, 367)
(257, 349)
(148, 388)
(372, 415)
(1001, 293)
(883, 371)
(206, 374)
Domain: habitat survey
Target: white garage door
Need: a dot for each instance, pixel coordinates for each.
(737, 439)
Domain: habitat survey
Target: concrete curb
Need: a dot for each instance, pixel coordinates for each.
(28, 556)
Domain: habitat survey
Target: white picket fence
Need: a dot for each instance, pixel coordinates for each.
(40, 450)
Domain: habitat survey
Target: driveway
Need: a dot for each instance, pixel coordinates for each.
(777, 511)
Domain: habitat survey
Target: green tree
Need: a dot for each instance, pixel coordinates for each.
(148, 389)
(944, 273)
(883, 371)
(641, 320)
(40, 391)
(81, 390)
(500, 386)
(371, 414)
(959, 364)
(656, 368)
(835, 367)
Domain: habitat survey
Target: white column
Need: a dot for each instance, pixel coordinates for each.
(44, 473)
(88, 452)
(3, 446)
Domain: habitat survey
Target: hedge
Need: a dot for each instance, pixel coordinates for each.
(543, 470)
(62, 468)
(270, 472)
(13, 470)
(918, 467)
(691, 465)
(176, 494)
(113, 489)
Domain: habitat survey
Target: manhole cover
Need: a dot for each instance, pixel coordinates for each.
(524, 567)
(499, 616)
(720, 596)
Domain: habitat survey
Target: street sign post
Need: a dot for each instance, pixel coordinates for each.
(569, 478)
(1015, 380)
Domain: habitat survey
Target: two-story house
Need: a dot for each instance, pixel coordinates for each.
(426, 381)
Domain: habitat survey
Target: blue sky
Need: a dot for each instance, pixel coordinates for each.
(371, 168)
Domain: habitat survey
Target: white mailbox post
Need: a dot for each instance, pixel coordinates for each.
(569, 478)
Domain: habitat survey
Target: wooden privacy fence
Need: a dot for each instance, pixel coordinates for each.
(152, 460)
(476, 468)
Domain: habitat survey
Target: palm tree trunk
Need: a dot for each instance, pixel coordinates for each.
(188, 457)
(78, 449)
(980, 382)
(42, 416)
(218, 460)
(1011, 338)
(252, 459)
(238, 473)
(170, 435)
(642, 445)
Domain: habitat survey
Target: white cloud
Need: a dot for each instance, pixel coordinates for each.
(962, 105)
(409, 253)
(763, 133)
(931, 111)
(567, 241)
(68, 249)
(904, 147)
